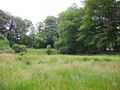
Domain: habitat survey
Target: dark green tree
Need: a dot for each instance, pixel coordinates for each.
(7, 23)
(47, 31)
(68, 28)
(100, 28)
(23, 27)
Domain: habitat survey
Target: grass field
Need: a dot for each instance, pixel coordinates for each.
(37, 71)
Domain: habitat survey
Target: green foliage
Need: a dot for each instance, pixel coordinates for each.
(58, 43)
(48, 49)
(47, 33)
(19, 48)
(6, 23)
(100, 25)
(23, 26)
(4, 43)
(68, 28)
(15, 28)
(94, 28)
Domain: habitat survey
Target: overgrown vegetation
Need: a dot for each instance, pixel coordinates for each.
(48, 49)
(4, 43)
(19, 48)
(35, 71)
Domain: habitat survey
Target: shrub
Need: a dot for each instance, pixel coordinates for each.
(19, 48)
(48, 49)
(4, 43)
(10, 50)
(58, 44)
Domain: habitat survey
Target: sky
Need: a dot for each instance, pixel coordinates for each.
(36, 10)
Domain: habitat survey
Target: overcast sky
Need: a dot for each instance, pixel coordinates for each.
(36, 10)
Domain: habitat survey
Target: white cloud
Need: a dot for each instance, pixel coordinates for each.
(36, 10)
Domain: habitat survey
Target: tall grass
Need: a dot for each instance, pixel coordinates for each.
(30, 71)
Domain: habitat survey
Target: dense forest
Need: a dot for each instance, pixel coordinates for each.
(93, 28)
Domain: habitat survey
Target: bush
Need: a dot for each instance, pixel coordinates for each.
(48, 49)
(58, 44)
(9, 51)
(19, 48)
(4, 43)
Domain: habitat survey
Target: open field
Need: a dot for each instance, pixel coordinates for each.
(34, 71)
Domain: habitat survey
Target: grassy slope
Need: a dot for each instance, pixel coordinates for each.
(35, 71)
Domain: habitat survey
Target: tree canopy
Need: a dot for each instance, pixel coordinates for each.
(93, 28)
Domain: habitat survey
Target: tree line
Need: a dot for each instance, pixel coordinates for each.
(93, 28)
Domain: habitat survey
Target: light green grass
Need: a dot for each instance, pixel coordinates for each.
(59, 72)
(40, 51)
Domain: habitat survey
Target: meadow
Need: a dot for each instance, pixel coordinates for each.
(36, 70)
